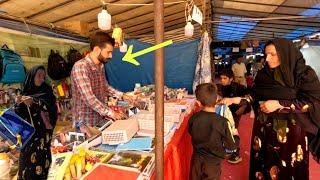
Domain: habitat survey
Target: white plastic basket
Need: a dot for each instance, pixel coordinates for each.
(149, 124)
(120, 131)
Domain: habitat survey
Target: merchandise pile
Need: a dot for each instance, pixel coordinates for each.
(126, 145)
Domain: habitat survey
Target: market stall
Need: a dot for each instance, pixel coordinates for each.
(126, 147)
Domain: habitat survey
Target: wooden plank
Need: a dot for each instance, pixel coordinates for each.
(90, 15)
(148, 30)
(140, 15)
(280, 3)
(69, 9)
(79, 27)
(3, 1)
(149, 25)
(24, 8)
(169, 25)
(277, 2)
(177, 35)
(173, 10)
(248, 7)
(256, 11)
(50, 9)
(175, 39)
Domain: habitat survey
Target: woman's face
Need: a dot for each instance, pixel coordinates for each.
(39, 77)
(272, 56)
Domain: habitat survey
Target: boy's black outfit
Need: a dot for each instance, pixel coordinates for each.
(236, 90)
(210, 137)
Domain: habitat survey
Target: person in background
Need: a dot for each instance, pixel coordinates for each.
(249, 80)
(37, 105)
(210, 136)
(90, 87)
(239, 70)
(286, 101)
(229, 88)
(258, 65)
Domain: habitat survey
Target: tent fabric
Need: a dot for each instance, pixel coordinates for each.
(180, 62)
(203, 68)
(311, 55)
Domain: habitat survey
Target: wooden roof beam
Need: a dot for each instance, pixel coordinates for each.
(100, 7)
(50, 9)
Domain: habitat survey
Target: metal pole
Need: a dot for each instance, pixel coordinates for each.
(159, 85)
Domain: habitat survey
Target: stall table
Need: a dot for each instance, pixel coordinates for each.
(176, 159)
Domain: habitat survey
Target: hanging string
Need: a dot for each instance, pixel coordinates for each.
(188, 8)
(25, 22)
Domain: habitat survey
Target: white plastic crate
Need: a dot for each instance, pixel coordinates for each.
(150, 115)
(149, 124)
(120, 131)
(170, 108)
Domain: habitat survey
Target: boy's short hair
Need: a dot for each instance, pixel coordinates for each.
(227, 72)
(101, 39)
(206, 93)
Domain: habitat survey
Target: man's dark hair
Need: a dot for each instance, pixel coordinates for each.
(101, 39)
(238, 57)
(206, 93)
(227, 72)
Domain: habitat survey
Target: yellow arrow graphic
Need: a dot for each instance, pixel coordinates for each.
(130, 58)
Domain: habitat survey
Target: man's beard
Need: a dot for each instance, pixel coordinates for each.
(102, 60)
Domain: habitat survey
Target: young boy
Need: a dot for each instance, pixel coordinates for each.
(233, 89)
(210, 136)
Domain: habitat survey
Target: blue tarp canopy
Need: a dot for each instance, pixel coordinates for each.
(180, 62)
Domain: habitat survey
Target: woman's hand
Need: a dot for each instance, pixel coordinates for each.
(270, 106)
(229, 101)
(27, 100)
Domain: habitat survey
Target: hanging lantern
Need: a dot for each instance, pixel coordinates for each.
(104, 19)
(117, 36)
(188, 29)
(124, 47)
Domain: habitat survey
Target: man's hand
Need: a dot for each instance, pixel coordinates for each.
(128, 98)
(85, 129)
(118, 115)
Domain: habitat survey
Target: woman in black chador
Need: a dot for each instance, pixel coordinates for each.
(35, 157)
(286, 101)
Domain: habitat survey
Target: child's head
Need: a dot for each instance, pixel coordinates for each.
(206, 93)
(226, 77)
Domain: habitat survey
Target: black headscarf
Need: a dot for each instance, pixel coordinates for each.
(295, 80)
(47, 96)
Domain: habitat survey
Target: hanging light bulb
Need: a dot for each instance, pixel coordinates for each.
(124, 47)
(104, 19)
(188, 29)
